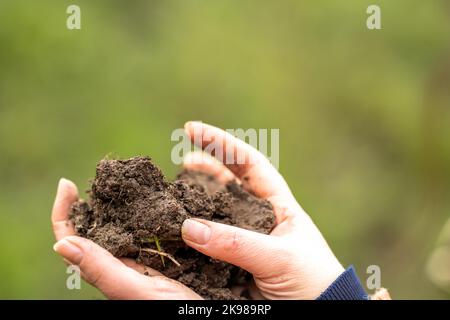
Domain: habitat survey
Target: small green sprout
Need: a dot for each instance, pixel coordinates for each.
(158, 247)
(159, 251)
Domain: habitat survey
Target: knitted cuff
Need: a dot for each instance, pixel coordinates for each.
(346, 287)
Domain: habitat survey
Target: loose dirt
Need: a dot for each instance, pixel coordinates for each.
(133, 211)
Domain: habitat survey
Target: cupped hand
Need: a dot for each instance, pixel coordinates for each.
(116, 278)
(294, 261)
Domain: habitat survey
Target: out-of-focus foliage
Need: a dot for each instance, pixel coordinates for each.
(364, 116)
(438, 267)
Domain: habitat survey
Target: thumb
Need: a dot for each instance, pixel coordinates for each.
(246, 249)
(116, 280)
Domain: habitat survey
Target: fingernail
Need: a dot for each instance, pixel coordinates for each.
(187, 125)
(69, 251)
(62, 182)
(191, 123)
(195, 231)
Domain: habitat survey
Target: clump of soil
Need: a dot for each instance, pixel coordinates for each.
(135, 212)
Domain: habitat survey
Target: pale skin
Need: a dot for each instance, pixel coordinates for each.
(293, 262)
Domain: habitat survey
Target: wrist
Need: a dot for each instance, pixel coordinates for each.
(331, 272)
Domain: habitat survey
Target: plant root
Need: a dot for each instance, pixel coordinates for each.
(162, 254)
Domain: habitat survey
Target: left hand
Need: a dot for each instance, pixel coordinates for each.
(116, 278)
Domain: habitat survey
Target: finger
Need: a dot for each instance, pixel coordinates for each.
(117, 281)
(66, 194)
(256, 173)
(203, 162)
(246, 249)
(284, 205)
(249, 165)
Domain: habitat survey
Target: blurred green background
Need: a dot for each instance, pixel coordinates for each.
(364, 116)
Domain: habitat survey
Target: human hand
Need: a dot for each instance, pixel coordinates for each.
(302, 265)
(116, 278)
(294, 261)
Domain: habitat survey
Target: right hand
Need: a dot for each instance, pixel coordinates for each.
(294, 261)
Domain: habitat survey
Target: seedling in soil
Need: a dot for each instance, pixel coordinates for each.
(157, 241)
(162, 254)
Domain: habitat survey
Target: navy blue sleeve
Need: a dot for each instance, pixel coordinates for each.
(346, 287)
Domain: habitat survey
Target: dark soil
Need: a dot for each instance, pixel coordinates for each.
(135, 212)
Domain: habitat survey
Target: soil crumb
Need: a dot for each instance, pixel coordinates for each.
(133, 211)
